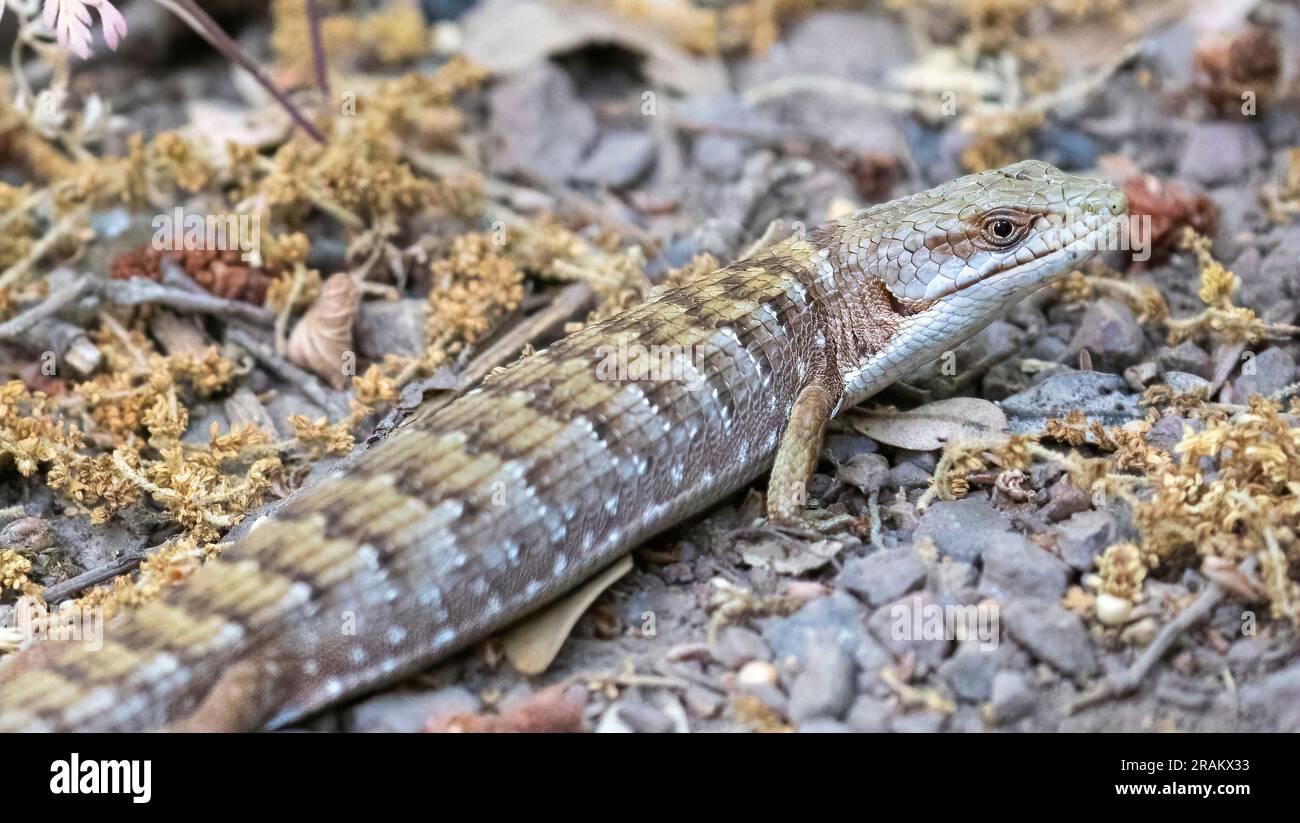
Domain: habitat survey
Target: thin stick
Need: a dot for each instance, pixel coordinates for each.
(1127, 681)
(565, 305)
(139, 290)
(55, 303)
(333, 403)
(207, 28)
(70, 222)
(76, 585)
(318, 50)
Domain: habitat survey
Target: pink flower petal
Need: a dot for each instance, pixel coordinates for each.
(114, 25)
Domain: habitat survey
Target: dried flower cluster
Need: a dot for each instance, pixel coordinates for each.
(1123, 568)
(13, 569)
(473, 286)
(1246, 505)
(142, 394)
(1221, 320)
(392, 36)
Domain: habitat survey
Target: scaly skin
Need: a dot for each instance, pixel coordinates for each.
(469, 517)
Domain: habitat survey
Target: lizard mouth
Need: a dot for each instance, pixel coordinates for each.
(1054, 262)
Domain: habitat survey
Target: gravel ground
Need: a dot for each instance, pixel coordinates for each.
(722, 627)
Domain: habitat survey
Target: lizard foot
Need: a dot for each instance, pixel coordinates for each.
(811, 524)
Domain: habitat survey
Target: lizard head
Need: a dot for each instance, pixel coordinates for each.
(993, 235)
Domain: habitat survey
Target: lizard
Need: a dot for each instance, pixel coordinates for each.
(468, 517)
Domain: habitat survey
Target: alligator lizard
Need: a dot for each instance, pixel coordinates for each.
(468, 517)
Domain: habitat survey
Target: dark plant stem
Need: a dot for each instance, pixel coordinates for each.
(207, 28)
(318, 49)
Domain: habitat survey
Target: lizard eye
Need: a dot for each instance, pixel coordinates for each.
(1001, 231)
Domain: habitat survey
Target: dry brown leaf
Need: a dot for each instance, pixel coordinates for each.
(785, 557)
(930, 426)
(323, 337)
(531, 645)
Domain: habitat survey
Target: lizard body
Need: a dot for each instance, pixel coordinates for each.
(468, 517)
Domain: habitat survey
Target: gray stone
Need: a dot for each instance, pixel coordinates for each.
(1282, 265)
(829, 43)
(1097, 394)
(1217, 152)
(719, 156)
(914, 625)
(844, 447)
(1167, 432)
(1181, 382)
(823, 726)
(953, 577)
(1275, 700)
(405, 712)
(1004, 380)
(1282, 124)
(390, 327)
(998, 339)
(702, 702)
(1186, 357)
(1246, 656)
(869, 715)
(1259, 289)
(27, 535)
(963, 529)
(1084, 536)
(994, 343)
(883, 576)
(920, 723)
(1239, 213)
(620, 159)
(1111, 334)
(1066, 148)
(865, 472)
(538, 125)
(1065, 499)
(926, 460)
(1015, 568)
(737, 646)
(644, 718)
(1049, 348)
(908, 476)
(970, 671)
(837, 618)
(1285, 312)
(1051, 634)
(1270, 371)
(1011, 698)
(825, 686)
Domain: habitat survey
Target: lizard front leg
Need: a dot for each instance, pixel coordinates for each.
(796, 456)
